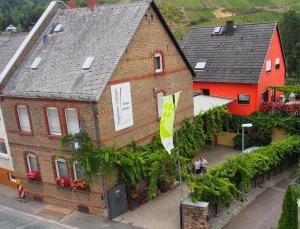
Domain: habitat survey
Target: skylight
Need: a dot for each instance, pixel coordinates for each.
(36, 63)
(200, 66)
(218, 30)
(88, 63)
(58, 28)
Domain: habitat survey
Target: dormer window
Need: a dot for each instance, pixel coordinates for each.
(200, 66)
(277, 63)
(88, 63)
(158, 62)
(36, 63)
(58, 28)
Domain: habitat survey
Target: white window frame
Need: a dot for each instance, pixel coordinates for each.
(74, 170)
(49, 126)
(268, 65)
(277, 63)
(56, 167)
(71, 109)
(18, 111)
(159, 111)
(158, 70)
(28, 161)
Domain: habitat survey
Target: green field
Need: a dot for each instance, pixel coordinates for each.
(184, 14)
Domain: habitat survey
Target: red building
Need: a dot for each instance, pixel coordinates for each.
(237, 62)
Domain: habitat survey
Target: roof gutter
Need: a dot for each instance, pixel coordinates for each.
(8, 68)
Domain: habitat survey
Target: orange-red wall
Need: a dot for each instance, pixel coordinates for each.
(231, 90)
(277, 76)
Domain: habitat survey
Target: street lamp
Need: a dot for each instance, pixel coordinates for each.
(245, 125)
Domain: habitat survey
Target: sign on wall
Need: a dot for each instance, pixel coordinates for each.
(122, 105)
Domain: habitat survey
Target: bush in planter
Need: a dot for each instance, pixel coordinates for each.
(33, 176)
(289, 215)
(63, 182)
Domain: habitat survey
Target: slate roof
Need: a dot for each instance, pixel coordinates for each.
(232, 59)
(103, 33)
(9, 43)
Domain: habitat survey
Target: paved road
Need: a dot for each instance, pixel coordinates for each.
(264, 212)
(14, 219)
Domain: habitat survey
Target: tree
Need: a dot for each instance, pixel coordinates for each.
(290, 35)
(289, 215)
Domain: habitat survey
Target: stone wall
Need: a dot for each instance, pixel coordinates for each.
(194, 215)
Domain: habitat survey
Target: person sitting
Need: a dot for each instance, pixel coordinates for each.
(204, 165)
(197, 165)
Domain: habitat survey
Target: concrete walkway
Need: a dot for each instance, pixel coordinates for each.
(262, 213)
(163, 212)
(33, 214)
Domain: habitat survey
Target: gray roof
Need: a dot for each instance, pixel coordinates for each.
(234, 59)
(103, 33)
(9, 43)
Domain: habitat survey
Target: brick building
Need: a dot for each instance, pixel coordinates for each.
(9, 43)
(102, 69)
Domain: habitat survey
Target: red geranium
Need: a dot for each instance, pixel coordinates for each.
(79, 185)
(63, 182)
(33, 176)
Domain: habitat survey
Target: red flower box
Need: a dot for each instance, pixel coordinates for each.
(33, 176)
(79, 185)
(63, 182)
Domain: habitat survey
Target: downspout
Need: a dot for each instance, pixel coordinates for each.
(97, 134)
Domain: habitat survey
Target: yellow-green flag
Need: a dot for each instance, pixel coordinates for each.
(170, 103)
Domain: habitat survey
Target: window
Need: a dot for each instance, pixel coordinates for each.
(88, 63)
(53, 121)
(36, 63)
(3, 148)
(23, 118)
(32, 163)
(273, 95)
(158, 62)
(79, 173)
(268, 65)
(243, 99)
(58, 28)
(200, 66)
(205, 91)
(159, 103)
(61, 168)
(277, 63)
(265, 96)
(72, 121)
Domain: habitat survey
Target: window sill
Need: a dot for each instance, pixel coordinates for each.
(244, 104)
(159, 73)
(55, 137)
(5, 156)
(26, 133)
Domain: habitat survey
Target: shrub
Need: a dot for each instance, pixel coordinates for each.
(289, 215)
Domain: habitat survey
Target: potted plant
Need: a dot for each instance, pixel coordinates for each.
(63, 182)
(81, 185)
(33, 177)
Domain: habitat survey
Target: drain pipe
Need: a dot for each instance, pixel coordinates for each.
(97, 133)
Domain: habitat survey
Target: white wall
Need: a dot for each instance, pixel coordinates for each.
(5, 159)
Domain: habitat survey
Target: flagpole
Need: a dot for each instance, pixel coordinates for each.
(178, 153)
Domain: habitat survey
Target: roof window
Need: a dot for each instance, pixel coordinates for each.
(88, 63)
(36, 63)
(58, 28)
(218, 30)
(200, 66)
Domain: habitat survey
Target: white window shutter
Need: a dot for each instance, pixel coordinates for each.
(53, 121)
(24, 118)
(72, 121)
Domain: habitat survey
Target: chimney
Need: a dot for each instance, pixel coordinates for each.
(72, 5)
(229, 28)
(91, 4)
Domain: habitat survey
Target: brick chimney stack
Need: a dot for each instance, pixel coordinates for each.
(72, 5)
(91, 4)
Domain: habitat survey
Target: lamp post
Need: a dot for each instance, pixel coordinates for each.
(245, 125)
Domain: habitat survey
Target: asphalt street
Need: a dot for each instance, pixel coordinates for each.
(14, 219)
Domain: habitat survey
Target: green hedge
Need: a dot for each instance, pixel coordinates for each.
(237, 172)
